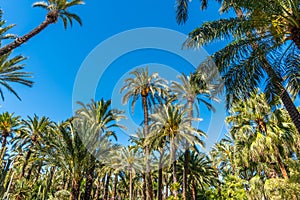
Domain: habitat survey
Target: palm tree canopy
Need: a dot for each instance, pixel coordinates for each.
(171, 121)
(144, 84)
(59, 9)
(11, 72)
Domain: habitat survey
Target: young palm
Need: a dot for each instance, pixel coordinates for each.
(32, 137)
(201, 173)
(191, 94)
(150, 88)
(105, 119)
(130, 161)
(9, 124)
(170, 122)
(56, 9)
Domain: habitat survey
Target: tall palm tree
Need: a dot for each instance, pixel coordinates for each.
(11, 71)
(170, 122)
(56, 9)
(252, 53)
(191, 94)
(150, 88)
(98, 114)
(9, 124)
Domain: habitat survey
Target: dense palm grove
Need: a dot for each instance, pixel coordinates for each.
(258, 158)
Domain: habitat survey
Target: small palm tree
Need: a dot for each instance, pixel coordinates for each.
(56, 9)
(9, 124)
(100, 115)
(191, 94)
(170, 122)
(129, 160)
(201, 172)
(32, 136)
(150, 88)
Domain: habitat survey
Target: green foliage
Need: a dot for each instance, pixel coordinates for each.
(233, 188)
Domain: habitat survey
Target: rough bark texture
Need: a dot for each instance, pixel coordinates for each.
(51, 17)
(144, 187)
(130, 185)
(186, 154)
(160, 177)
(115, 187)
(89, 179)
(295, 33)
(106, 186)
(194, 192)
(75, 189)
(148, 171)
(281, 165)
(3, 146)
(26, 162)
(173, 154)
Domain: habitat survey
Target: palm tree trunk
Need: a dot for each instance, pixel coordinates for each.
(173, 155)
(115, 187)
(130, 185)
(194, 192)
(75, 189)
(167, 187)
(38, 171)
(97, 193)
(148, 171)
(295, 33)
(3, 145)
(277, 81)
(26, 162)
(50, 18)
(67, 184)
(281, 165)
(160, 177)
(106, 186)
(186, 154)
(52, 171)
(144, 187)
(89, 179)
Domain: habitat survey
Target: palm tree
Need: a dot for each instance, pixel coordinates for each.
(32, 137)
(253, 52)
(170, 122)
(9, 124)
(191, 94)
(150, 88)
(4, 29)
(182, 9)
(11, 71)
(67, 151)
(139, 143)
(100, 115)
(201, 172)
(56, 9)
(263, 128)
(129, 160)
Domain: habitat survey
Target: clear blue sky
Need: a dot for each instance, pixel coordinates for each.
(55, 55)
